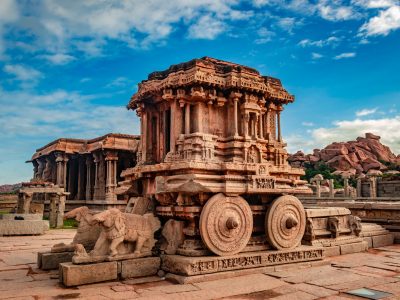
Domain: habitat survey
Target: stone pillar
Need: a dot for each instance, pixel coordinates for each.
(331, 188)
(235, 116)
(41, 166)
(372, 187)
(81, 179)
(35, 168)
(96, 157)
(346, 187)
(268, 125)
(60, 211)
(246, 124)
(24, 203)
(187, 118)
(143, 137)
(199, 117)
(278, 116)
(172, 132)
(88, 192)
(111, 182)
(53, 210)
(260, 123)
(318, 188)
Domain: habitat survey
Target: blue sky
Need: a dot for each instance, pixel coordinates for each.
(68, 68)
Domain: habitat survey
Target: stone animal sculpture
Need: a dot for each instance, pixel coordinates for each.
(119, 227)
(87, 233)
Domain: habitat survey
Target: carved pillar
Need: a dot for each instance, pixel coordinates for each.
(41, 166)
(260, 123)
(246, 118)
(173, 132)
(96, 157)
(144, 136)
(268, 127)
(88, 192)
(278, 116)
(111, 182)
(187, 118)
(35, 168)
(81, 179)
(235, 116)
(199, 117)
(53, 210)
(331, 188)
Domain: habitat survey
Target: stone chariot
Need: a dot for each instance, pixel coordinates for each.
(212, 156)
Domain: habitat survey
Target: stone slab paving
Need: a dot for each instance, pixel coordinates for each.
(377, 269)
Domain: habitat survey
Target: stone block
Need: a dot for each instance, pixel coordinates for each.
(73, 275)
(353, 248)
(140, 267)
(369, 241)
(189, 266)
(51, 260)
(332, 251)
(23, 227)
(382, 240)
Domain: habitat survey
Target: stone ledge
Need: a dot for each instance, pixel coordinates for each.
(73, 275)
(51, 260)
(190, 266)
(23, 227)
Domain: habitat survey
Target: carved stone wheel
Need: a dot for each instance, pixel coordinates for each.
(226, 224)
(285, 222)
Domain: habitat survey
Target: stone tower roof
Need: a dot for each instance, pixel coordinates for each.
(207, 71)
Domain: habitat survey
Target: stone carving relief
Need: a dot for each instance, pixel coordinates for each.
(355, 225)
(333, 226)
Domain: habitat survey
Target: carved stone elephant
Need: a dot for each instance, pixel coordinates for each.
(87, 233)
(119, 227)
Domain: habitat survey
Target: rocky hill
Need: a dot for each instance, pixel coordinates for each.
(9, 188)
(365, 155)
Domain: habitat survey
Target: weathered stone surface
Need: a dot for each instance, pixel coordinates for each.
(20, 217)
(23, 227)
(204, 265)
(123, 236)
(139, 267)
(353, 248)
(51, 260)
(72, 275)
(382, 240)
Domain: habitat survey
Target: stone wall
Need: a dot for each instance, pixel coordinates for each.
(389, 189)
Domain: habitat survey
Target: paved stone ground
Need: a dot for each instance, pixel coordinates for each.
(378, 269)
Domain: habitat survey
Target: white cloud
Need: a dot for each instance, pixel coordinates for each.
(307, 124)
(65, 26)
(366, 112)
(345, 55)
(388, 20)
(119, 82)
(26, 75)
(346, 130)
(264, 35)
(8, 13)
(207, 27)
(335, 11)
(332, 40)
(375, 3)
(315, 55)
(59, 58)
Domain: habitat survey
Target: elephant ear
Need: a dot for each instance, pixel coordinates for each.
(119, 223)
